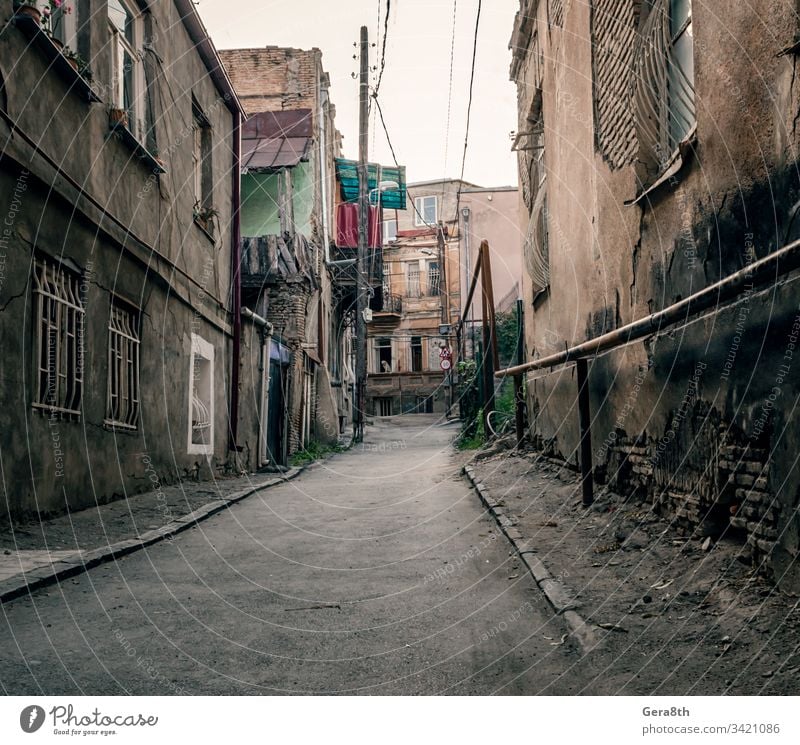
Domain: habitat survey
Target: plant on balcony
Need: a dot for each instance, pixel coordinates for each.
(117, 118)
(78, 62)
(49, 12)
(205, 216)
(28, 9)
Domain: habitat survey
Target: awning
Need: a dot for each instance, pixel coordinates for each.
(276, 139)
(393, 199)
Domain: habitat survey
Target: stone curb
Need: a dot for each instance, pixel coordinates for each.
(555, 592)
(26, 582)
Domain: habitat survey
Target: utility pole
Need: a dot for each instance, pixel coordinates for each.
(362, 286)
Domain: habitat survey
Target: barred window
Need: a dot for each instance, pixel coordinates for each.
(122, 390)
(58, 319)
(413, 288)
(664, 83)
(556, 13)
(201, 401)
(434, 278)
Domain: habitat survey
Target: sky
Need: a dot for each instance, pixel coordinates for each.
(416, 79)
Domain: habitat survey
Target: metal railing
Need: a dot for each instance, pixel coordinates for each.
(715, 297)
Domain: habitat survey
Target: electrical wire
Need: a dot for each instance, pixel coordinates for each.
(469, 106)
(382, 65)
(449, 96)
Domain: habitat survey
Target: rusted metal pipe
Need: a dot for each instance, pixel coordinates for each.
(771, 267)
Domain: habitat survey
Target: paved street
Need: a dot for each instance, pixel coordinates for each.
(374, 572)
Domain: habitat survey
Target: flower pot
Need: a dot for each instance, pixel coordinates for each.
(58, 44)
(29, 11)
(118, 118)
(74, 63)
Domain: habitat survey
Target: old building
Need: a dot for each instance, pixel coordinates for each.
(655, 160)
(428, 259)
(289, 145)
(119, 318)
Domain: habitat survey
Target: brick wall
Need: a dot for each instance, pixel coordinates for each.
(274, 78)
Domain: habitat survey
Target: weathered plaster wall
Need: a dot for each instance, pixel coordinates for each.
(700, 420)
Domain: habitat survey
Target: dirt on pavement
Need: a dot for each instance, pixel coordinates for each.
(676, 613)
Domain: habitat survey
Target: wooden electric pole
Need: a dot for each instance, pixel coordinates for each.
(362, 285)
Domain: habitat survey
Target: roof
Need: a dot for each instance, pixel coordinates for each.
(208, 53)
(276, 139)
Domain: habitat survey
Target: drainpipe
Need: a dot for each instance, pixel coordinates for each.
(263, 412)
(236, 282)
(323, 169)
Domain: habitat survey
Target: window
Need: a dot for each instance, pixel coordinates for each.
(664, 75)
(128, 71)
(201, 160)
(425, 212)
(416, 354)
(383, 355)
(556, 13)
(615, 29)
(63, 23)
(412, 288)
(122, 391)
(537, 245)
(383, 406)
(201, 397)
(58, 317)
(389, 231)
(434, 278)
(387, 279)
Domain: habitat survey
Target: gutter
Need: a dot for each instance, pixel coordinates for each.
(208, 53)
(236, 280)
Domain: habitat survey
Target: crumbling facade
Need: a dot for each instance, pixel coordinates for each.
(288, 178)
(116, 294)
(656, 159)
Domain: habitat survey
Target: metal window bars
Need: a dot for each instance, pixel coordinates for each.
(58, 318)
(664, 96)
(122, 402)
(201, 420)
(434, 279)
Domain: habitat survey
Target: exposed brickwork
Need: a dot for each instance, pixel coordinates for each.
(274, 78)
(614, 26)
(720, 481)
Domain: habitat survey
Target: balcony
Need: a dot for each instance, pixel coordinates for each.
(344, 271)
(387, 310)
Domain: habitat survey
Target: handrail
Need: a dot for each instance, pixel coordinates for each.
(774, 265)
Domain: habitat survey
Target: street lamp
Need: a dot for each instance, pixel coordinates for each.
(382, 187)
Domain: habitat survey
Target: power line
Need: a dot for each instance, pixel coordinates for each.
(383, 46)
(469, 105)
(449, 95)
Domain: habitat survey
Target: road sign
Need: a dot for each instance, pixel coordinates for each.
(445, 363)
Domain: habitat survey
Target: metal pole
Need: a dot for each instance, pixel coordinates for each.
(363, 223)
(519, 393)
(585, 418)
(489, 343)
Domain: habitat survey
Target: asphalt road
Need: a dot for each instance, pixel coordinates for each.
(375, 572)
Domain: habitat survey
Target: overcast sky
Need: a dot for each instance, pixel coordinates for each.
(414, 90)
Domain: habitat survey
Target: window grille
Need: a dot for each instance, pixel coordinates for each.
(434, 278)
(201, 400)
(122, 403)
(556, 13)
(59, 319)
(664, 82)
(537, 248)
(413, 289)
